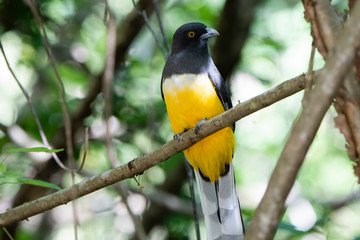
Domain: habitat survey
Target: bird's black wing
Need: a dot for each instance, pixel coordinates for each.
(220, 87)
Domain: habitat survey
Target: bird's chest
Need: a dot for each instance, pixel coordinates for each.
(190, 98)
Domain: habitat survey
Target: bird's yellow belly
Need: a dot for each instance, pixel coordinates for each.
(189, 99)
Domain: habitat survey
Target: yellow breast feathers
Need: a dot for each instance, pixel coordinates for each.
(190, 98)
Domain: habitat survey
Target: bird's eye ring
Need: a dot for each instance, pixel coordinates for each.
(191, 34)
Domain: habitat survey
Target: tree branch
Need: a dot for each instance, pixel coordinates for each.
(325, 19)
(139, 165)
(330, 78)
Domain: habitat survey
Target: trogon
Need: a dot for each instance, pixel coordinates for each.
(193, 91)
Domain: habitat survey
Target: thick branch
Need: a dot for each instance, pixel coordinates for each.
(324, 18)
(330, 78)
(140, 164)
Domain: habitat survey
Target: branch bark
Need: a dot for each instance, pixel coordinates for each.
(325, 25)
(330, 78)
(139, 165)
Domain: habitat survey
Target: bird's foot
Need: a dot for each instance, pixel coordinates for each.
(197, 127)
(177, 136)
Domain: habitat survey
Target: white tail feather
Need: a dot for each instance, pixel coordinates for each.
(229, 224)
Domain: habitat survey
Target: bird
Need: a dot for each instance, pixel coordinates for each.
(194, 91)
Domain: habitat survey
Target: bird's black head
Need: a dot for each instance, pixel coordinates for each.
(192, 36)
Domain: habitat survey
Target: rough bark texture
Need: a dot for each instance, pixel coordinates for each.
(325, 26)
(339, 61)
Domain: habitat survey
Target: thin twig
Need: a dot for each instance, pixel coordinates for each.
(7, 233)
(161, 25)
(351, 198)
(139, 165)
(107, 83)
(106, 12)
(189, 171)
(74, 211)
(309, 75)
(85, 150)
(147, 22)
(33, 112)
(139, 228)
(65, 111)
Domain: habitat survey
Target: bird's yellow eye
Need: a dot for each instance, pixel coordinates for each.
(191, 34)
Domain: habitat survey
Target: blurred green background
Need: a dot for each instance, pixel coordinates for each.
(323, 203)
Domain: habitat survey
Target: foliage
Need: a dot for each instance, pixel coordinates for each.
(277, 49)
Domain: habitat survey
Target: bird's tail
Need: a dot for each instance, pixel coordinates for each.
(221, 208)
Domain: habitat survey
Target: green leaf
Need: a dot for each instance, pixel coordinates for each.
(10, 179)
(38, 183)
(34, 149)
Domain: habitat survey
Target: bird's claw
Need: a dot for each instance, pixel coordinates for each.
(177, 136)
(198, 125)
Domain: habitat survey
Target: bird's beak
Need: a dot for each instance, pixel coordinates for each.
(209, 33)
